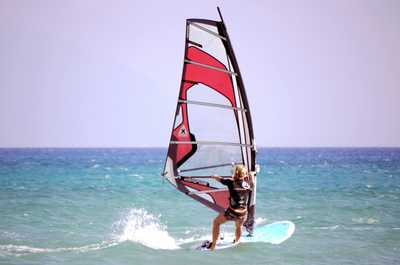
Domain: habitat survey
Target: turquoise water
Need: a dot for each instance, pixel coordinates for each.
(110, 206)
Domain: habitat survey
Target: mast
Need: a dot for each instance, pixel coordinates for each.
(229, 48)
(249, 224)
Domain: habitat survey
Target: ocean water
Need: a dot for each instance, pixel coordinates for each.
(110, 206)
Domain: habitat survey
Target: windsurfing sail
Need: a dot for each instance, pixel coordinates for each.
(212, 129)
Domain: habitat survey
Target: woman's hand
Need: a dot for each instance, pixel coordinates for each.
(252, 177)
(216, 177)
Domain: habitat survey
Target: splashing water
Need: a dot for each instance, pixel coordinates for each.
(142, 227)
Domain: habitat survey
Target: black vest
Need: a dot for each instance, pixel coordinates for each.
(239, 194)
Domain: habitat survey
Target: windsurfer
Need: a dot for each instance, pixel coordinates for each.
(239, 190)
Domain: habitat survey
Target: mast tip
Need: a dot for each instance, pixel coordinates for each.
(219, 12)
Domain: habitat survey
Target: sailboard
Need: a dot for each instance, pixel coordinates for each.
(212, 128)
(274, 233)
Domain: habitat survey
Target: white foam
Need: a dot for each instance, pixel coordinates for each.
(19, 250)
(142, 227)
(369, 220)
(260, 220)
(192, 239)
(334, 227)
(136, 175)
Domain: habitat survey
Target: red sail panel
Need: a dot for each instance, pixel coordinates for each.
(180, 153)
(218, 200)
(218, 80)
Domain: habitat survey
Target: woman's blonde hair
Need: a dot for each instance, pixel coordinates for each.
(240, 172)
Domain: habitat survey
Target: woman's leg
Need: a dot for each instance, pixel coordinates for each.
(238, 232)
(220, 219)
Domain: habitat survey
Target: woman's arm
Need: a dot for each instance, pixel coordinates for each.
(224, 181)
(217, 178)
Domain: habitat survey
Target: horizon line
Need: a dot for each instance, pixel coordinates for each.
(165, 147)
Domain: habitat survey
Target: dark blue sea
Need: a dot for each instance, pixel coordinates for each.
(111, 206)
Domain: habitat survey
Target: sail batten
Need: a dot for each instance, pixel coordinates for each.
(208, 191)
(207, 30)
(210, 67)
(210, 104)
(210, 143)
(205, 167)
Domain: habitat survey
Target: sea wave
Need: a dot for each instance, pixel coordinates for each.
(333, 227)
(365, 220)
(19, 250)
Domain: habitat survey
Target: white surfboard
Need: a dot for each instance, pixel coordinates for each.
(274, 233)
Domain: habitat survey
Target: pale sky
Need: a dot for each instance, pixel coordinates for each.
(107, 73)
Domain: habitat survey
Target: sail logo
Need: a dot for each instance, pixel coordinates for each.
(182, 131)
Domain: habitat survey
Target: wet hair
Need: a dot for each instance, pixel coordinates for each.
(240, 172)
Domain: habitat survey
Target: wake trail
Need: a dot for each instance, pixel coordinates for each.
(19, 250)
(135, 225)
